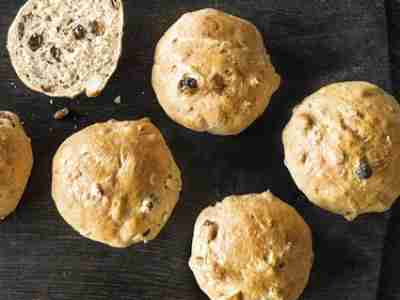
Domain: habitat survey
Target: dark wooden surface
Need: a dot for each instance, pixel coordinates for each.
(312, 43)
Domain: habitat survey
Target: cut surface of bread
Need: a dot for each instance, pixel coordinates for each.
(63, 48)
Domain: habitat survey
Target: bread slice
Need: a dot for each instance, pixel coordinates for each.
(65, 47)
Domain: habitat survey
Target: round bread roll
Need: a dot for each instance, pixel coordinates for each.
(16, 161)
(212, 72)
(251, 247)
(65, 47)
(116, 182)
(342, 147)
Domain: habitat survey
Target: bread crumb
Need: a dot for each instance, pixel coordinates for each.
(61, 114)
(117, 100)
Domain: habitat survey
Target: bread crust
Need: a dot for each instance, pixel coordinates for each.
(227, 57)
(116, 182)
(251, 247)
(16, 161)
(342, 147)
(63, 48)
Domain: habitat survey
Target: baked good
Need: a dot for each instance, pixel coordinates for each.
(65, 47)
(116, 182)
(342, 147)
(212, 72)
(16, 162)
(251, 247)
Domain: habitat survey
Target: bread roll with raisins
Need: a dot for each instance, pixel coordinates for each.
(251, 247)
(63, 48)
(16, 161)
(342, 147)
(212, 72)
(116, 182)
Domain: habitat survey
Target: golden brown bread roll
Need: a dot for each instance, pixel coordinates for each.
(212, 72)
(342, 147)
(16, 160)
(251, 247)
(116, 182)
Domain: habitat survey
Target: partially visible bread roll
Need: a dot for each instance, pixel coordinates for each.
(116, 182)
(212, 72)
(65, 47)
(16, 162)
(342, 147)
(251, 247)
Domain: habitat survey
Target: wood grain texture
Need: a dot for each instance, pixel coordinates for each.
(312, 43)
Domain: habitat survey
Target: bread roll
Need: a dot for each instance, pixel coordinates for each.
(116, 182)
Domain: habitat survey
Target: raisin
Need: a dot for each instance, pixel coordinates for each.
(79, 32)
(364, 170)
(147, 232)
(96, 28)
(35, 42)
(115, 3)
(188, 84)
(56, 53)
(21, 30)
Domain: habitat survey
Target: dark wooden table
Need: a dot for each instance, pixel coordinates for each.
(312, 43)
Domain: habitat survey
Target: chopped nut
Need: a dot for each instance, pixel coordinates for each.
(61, 114)
(218, 83)
(97, 28)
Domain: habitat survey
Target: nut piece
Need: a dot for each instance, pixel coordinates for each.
(97, 28)
(61, 114)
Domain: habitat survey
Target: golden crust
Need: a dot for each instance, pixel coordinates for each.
(251, 247)
(116, 182)
(342, 147)
(227, 58)
(16, 162)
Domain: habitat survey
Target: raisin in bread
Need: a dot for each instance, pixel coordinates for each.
(65, 47)
(342, 147)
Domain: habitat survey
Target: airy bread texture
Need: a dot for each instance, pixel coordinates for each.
(65, 47)
(251, 247)
(342, 147)
(212, 72)
(16, 161)
(116, 182)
